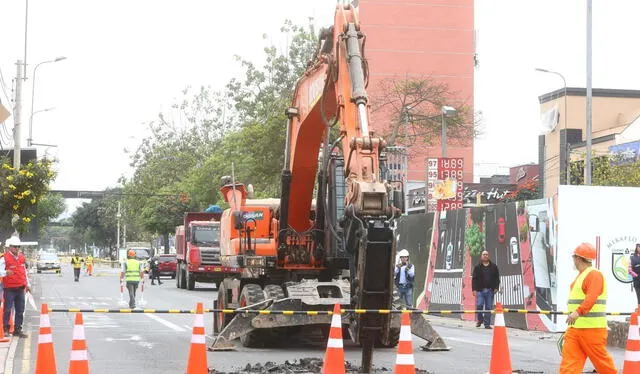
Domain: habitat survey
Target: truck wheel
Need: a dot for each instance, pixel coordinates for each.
(191, 280)
(182, 275)
(177, 277)
(278, 334)
(251, 294)
(221, 320)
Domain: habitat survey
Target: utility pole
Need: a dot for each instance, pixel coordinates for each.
(17, 115)
(587, 163)
(118, 229)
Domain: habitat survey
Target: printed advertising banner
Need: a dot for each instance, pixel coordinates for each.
(531, 242)
(589, 214)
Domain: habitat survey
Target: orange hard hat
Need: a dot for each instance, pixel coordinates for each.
(131, 253)
(586, 251)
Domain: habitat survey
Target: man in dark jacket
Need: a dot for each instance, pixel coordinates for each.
(485, 282)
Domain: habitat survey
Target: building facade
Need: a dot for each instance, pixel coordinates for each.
(615, 121)
(423, 39)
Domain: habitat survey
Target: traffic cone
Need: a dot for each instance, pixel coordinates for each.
(11, 325)
(3, 338)
(197, 363)
(632, 354)
(334, 356)
(405, 362)
(500, 357)
(46, 359)
(79, 362)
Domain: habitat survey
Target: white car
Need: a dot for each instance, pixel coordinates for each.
(515, 252)
(449, 258)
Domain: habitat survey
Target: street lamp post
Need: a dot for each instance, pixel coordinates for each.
(33, 89)
(564, 82)
(446, 110)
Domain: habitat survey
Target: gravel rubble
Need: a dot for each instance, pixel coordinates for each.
(302, 366)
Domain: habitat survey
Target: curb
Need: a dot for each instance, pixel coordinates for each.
(8, 363)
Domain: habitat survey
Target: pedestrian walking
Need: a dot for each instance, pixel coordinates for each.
(76, 263)
(404, 276)
(154, 271)
(485, 282)
(16, 284)
(634, 270)
(586, 334)
(132, 272)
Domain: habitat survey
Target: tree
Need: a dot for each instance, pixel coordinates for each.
(529, 190)
(412, 107)
(20, 192)
(474, 238)
(49, 207)
(163, 213)
(242, 124)
(608, 170)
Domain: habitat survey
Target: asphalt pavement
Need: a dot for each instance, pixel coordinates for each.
(150, 343)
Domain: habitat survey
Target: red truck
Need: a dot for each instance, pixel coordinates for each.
(198, 251)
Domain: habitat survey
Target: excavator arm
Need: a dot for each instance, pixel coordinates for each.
(332, 92)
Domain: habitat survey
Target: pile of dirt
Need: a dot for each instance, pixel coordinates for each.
(302, 366)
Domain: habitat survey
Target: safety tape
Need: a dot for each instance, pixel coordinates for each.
(319, 312)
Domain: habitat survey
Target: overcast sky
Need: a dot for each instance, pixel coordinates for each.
(128, 60)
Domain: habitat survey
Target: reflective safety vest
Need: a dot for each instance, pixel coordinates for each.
(16, 265)
(132, 267)
(89, 260)
(596, 317)
(76, 262)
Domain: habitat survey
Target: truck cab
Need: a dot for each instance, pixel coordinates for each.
(198, 251)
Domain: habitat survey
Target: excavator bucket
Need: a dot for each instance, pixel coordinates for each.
(421, 327)
(240, 325)
(305, 297)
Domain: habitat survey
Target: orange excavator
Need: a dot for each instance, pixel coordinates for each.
(301, 253)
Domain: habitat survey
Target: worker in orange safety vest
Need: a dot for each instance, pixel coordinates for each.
(89, 263)
(586, 334)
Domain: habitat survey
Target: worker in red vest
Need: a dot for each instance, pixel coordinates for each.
(16, 283)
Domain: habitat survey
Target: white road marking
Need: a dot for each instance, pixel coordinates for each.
(462, 340)
(187, 327)
(163, 321)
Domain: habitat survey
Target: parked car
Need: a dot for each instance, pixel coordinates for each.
(501, 230)
(167, 265)
(48, 261)
(515, 253)
(449, 258)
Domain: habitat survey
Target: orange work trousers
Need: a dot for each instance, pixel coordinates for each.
(582, 343)
(89, 268)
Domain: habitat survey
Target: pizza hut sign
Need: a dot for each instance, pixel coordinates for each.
(491, 193)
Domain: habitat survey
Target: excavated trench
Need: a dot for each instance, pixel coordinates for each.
(302, 366)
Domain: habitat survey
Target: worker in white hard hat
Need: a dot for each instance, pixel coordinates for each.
(16, 284)
(404, 276)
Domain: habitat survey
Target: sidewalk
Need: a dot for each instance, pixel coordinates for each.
(7, 353)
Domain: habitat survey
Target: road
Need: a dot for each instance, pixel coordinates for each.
(144, 343)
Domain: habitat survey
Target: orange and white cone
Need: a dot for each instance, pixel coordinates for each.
(632, 354)
(46, 359)
(3, 338)
(11, 322)
(405, 362)
(197, 363)
(79, 362)
(334, 356)
(500, 356)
